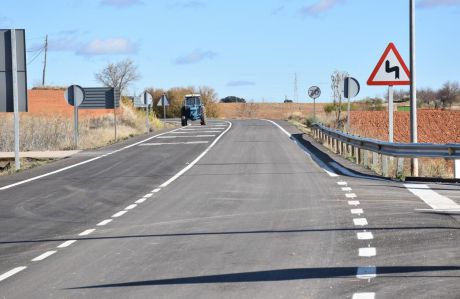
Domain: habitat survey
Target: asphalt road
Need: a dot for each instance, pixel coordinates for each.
(233, 210)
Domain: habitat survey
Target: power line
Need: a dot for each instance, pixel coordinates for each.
(36, 56)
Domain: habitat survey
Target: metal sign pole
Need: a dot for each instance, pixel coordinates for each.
(15, 99)
(115, 119)
(314, 110)
(390, 114)
(349, 104)
(75, 118)
(413, 91)
(164, 107)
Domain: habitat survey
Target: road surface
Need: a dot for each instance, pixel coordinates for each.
(231, 210)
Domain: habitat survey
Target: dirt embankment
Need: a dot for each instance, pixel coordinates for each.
(434, 126)
(266, 110)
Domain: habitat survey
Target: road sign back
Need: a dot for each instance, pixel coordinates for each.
(390, 70)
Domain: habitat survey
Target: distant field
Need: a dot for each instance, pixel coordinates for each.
(266, 110)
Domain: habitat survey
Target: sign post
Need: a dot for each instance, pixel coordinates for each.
(147, 100)
(17, 161)
(163, 102)
(390, 70)
(314, 92)
(351, 89)
(75, 95)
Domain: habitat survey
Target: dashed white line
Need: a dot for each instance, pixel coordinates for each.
(156, 190)
(44, 256)
(196, 136)
(11, 273)
(350, 195)
(173, 143)
(141, 200)
(130, 207)
(87, 232)
(104, 222)
(365, 236)
(342, 183)
(360, 221)
(347, 189)
(119, 214)
(148, 195)
(354, 202)
(67, 243)
(357, 211)
(364, 296)
(366, 272)
(368, 251)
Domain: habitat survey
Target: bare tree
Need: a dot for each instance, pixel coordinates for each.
(338, 79)
(118, 75)
(449, 94)
(428, 97)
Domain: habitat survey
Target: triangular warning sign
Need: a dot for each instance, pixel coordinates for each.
(390, 70)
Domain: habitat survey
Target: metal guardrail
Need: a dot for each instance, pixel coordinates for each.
(403, 150)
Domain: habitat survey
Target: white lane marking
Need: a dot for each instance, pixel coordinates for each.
(432, 198)
(195, 136)
(192, 132)
(354, 203)
(81, 163)
(320, 163)
(342, 183)
(363, 296)
(365, 236)
(44, 256)
(367, 252)
(200, 130)
(347, 189)
(357, 211)
(350, 195)
(360, 221)
(67, 243)
(104, 222)
(156, 190)
(366, 272)
(177, 175)
(174, 143)
(130, 207)
(11, 273)
(149, 195)
(119, 214)
(140, 200)
(87, 232)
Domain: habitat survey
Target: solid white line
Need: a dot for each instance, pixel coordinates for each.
(347, 189)
(67, 244)
(367, 252)
(177, 175)
(87, 232)
(350, 195)
(130, 207)
(156, 190)
(432, 198)
(363, 296)
(104, 222)
(149, 195)
(44, 256)
(200, 130)
(360, 221)
(140, 200)
(81, 163)
(365, 236)
(357, 211)
(354, 202)
(305, 150)
(366, 272)
(174, 143)
(192, 132)
(195, 136)
(11, 273)
(119, 214)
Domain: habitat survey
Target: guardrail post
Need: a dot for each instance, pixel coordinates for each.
(457, 169)
(358, 155)
(400, 168)
(375, 161)
(366, 158)
(384, 166)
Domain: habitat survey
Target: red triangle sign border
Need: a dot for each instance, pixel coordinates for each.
(390, 47)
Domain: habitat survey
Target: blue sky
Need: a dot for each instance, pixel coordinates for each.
(250, 49)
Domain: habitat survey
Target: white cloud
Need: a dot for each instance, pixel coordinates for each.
(120, 3)
(434, 3)
(111, 46)
(240, 83)
(320, 7)
(195, 57)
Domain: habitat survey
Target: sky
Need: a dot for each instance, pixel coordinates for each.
(251, 49)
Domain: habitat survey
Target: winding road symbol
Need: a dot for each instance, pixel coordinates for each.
(389, 69)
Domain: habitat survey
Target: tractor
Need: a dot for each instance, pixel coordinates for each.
(193, 110)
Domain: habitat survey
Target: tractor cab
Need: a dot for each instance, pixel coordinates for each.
(193, 109)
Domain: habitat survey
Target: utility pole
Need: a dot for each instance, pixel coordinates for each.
(44, 62)
(413, 87)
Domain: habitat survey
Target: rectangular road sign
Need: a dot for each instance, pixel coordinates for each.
(6, 70)
(100, 98)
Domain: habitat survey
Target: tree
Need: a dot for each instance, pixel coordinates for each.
(449, 94)
(428, 97)
(336, 85)
(232, 99)
(118, 75)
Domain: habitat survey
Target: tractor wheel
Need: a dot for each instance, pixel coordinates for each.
(183, 116)
(203, 116)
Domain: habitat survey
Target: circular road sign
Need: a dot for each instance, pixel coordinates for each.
(146, 98)
(351, 88)
(74, 94)
(314, 92)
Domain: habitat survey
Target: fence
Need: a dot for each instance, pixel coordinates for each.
(380, 154)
